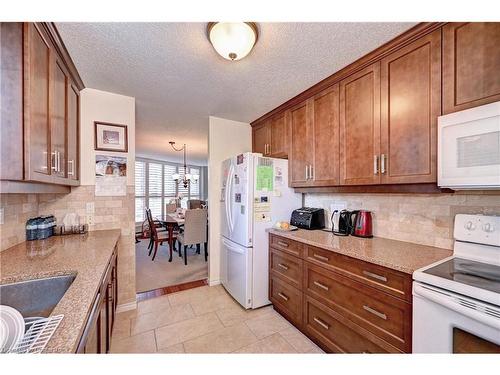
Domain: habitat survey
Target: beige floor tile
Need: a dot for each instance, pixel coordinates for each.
(269, 345)
(316, 350)
(195, 294)
(121, 328)
(225, 340)
(298, 340)
(205, 305)
(174, 349)
(267, 324)
(127, 314)
(236, 314)
(160, 318)
(142, 343)
(153, 304)
(186, 330)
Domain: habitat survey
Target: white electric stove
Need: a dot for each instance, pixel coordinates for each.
(456, 301)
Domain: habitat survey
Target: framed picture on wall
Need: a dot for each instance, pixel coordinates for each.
(110, 137)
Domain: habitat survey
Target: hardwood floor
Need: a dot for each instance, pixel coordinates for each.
(170, 289)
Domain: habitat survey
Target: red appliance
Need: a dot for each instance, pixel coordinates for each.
(362, 224)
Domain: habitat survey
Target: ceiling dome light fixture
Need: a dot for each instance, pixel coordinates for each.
(232, 40)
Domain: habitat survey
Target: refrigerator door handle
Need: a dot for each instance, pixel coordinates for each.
(228, 199)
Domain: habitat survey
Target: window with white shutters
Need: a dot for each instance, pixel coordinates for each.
(194, 192)
(155, 187)
(169, 183)
(140, 191)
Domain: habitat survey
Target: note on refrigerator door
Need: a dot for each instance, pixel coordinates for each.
(264, 178)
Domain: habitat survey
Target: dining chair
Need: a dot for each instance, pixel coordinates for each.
(158, 237)
(194, 232)
(156, 223)
(170, 208)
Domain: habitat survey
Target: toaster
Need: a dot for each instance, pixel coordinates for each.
(308, 218)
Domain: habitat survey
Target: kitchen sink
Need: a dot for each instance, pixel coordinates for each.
(35, 298)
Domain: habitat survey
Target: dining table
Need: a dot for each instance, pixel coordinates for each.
(170, 223)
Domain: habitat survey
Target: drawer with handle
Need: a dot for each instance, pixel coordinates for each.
(390, 281)
(288, 246)
(286, 267)
(339, 334)
(286, 298)
(385, 316)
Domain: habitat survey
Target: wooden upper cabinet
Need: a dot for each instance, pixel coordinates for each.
(471, 65)
(325, 137)
(360, 127)
(410, 105)
(58, 119)
(261, 138)
(278, 147)
(300, 145)
(38, 162)
(73, 115)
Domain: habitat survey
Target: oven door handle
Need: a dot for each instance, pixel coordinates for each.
(458, 304)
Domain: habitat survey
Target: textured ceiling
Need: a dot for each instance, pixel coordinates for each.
(178, 80)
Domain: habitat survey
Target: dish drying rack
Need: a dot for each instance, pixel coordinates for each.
(38, 335)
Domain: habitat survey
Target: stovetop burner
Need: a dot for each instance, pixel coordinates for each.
(469, 272)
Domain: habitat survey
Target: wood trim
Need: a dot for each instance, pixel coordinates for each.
(429, 188)
(403, 39)
(170, 289)
(61, 49)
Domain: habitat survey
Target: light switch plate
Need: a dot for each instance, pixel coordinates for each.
(90, 208)
(1, 216)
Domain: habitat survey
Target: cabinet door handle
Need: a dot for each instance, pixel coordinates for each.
(72, 171)
(283, 296)
(307, 173)
(281, 243)
(321, 257)
(382, 163)
(375, 276)
(320, 285)
(311, 173)
(269, 148)
(53, 165)
(321, 323)
(58, 161)
(375, 312)
(375, 164)
(284, 266)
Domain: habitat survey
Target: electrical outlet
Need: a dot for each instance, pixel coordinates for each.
(338, 205)
(90, 219)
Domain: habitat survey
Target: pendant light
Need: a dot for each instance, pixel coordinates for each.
(232, 40)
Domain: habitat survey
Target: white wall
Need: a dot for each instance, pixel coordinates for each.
(226, 138)
(104, 106)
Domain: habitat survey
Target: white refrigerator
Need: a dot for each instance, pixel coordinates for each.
(254, 196)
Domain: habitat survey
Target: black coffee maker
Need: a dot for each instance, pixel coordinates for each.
(341, 222)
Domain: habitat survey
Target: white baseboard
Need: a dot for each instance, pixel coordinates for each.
(213, 282)
(126, 307)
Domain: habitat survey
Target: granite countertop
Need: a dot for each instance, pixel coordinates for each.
(85, 256)
(397, 255)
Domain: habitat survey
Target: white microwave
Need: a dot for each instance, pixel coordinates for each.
(469, 148)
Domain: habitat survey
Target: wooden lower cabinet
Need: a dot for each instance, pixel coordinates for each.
(336, 304)
(96, 337)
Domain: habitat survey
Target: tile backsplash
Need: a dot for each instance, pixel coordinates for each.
(109, 213)
(423, 219)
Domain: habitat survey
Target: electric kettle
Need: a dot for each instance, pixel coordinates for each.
(341, 222)
(361, 224)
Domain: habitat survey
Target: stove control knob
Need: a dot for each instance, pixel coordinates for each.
(470, 225)
(488, 227)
